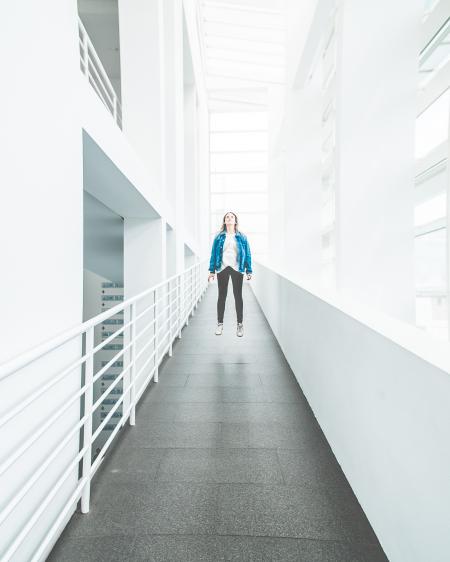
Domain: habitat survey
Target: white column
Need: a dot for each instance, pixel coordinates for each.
(144, 267)
(141, 63)
(144, 254)
(41, 234)
(179, 130)
(302, 224)
(376, 97)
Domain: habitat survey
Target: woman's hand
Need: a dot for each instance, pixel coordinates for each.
(211, 276)
(249, 276)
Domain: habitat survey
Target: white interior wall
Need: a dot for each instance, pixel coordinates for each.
(190, 156)
(376, 109)
(42, 249)
(303, 182)
(380, 391)
(178, 138)
(141, 60)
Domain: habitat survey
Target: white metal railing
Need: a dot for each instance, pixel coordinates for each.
(161, 322)
(96, 75)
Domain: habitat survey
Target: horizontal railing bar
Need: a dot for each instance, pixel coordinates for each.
(190, 296)
(111, 361)
(111, 412)
(35, 436)
(24, 359)
(56, 525)
(19, 495)
(145, 383)
(105, 447)
(96, 57)
(116, 381)
(93, 83)
(99, 81)
(147, 361)
(110, 338)
(142, 332)
(32, 521)
(141, 351)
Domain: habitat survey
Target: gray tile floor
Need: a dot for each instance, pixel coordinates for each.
(226, 462)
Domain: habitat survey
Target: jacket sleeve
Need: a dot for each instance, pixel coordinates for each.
(248, 257)
(212, 264)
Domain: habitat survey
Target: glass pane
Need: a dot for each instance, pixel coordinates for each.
(238, 202)
(251, 161)
(242, 17)
(250, 121)
(247, 222)
(245, 33)
(431, 262)
(238, 141)
(432, 125)
(435, 54)
(239, 182)
(430, 210)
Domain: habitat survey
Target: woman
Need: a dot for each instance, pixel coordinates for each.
(230, 257)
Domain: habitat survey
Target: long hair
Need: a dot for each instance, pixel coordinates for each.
(224, 227)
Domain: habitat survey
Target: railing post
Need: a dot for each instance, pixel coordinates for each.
(193, 290)
(155, 302)
(180, 312)
(115, 107)
(85, 54)
(87, 427)
(186, 300)
(196, 286)
(169, 298)
(133, 363)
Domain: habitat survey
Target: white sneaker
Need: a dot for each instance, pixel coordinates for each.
(219, 329)
(240, 330)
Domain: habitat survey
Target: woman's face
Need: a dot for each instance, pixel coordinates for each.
(230, 219)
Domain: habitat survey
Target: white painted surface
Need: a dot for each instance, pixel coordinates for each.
(41, 233)
(103, 240)
(141, 60)
(376, 96)
(382, 404)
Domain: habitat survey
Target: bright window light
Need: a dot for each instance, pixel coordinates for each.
(432, 125)
(430, 261)
(431, 210)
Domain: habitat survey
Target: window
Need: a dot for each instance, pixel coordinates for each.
(238, 158)
(432, 125)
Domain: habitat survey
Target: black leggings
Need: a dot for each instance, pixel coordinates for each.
(222, 280)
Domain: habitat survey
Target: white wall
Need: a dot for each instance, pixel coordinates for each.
(376, 96)
(302, 222)
(141, 60)
(42, 245)
(144, 267)
(382, 404)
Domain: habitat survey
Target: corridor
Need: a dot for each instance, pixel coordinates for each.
(226, 462)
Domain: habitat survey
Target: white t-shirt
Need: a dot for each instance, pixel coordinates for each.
(229, 256)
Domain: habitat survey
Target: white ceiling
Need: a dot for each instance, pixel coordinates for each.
(243, 43)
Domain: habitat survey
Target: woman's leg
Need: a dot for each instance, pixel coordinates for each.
(238, 279)
(222, 281)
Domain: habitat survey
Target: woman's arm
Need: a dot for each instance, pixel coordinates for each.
(212, 264)
(248, 259)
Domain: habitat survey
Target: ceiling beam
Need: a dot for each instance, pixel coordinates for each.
(242, 8)
(245, 78)
(242, 61)
(249, 25)
(234, 38)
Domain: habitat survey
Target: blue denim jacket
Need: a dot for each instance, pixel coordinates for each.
(244, 257)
